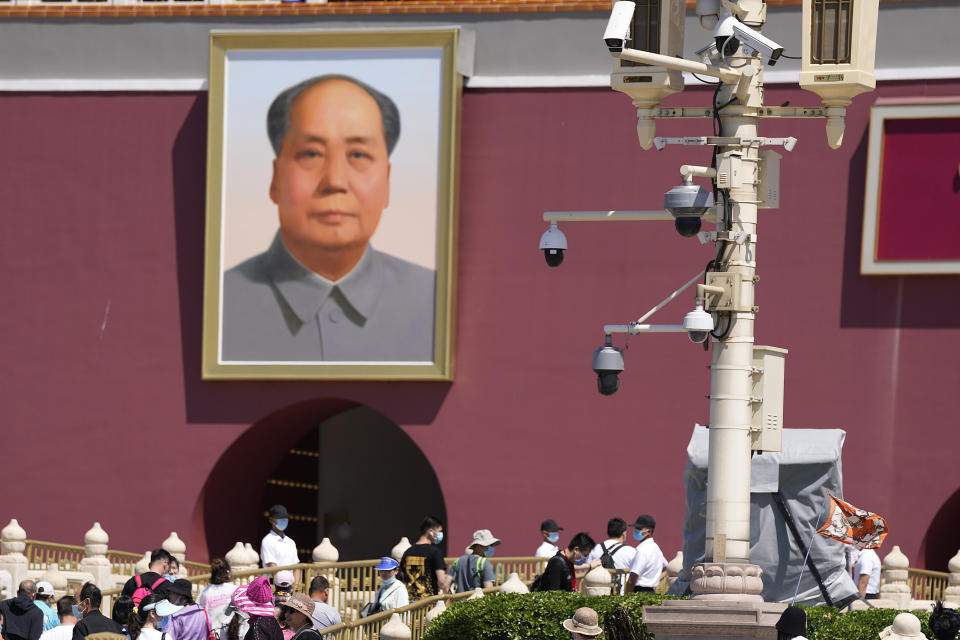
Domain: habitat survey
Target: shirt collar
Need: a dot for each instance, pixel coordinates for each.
(306, 291)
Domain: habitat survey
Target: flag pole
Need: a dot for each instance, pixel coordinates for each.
(809, 546)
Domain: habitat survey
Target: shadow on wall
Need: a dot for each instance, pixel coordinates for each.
(344, 471)
(244, 402)
(941, 543)
(887, 302)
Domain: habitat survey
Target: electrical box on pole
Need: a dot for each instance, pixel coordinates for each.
(766, 432)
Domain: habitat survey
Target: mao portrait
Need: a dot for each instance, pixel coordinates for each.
(318, 291)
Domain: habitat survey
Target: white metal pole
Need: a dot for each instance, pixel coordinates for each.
(728, 475)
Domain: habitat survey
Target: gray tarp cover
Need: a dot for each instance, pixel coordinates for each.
(807, 467)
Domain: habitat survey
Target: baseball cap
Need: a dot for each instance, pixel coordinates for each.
(550, 525)
(284, 578)
(645, 520)
(44, 588)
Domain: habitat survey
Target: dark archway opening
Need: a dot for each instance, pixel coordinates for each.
(343, 470)
(940, 544)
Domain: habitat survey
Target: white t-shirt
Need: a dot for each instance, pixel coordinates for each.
(280, 551)
(648, 564)
(547, 550)
(868, 563)
(622, 558)
(61, 632)
(149, 633)
(394, 596)
(215, 598)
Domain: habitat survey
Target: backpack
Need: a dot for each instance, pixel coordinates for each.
(142, 590)
(606, 561)
(481, 562)
(606, 558)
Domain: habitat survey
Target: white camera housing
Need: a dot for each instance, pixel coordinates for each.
(708, 11)
(618, 27)
(698, 324)
(754, 41)
(553, 243)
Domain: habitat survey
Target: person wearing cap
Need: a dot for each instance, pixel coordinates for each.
(87, 611)
(254, 605)
(278, 549)
(649, 566)
(64, 630)
(42, 600)
(149, 618)
(792, 624)
(191, 621)
(282, 586)
(473, 570)
(422, 567)
(392, 593)
(583, 624)
(323, 614)
(549, 531)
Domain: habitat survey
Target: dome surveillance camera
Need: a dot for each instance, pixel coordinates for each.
(698, 324)
(687, 203)
(553, 243)
(607, 364)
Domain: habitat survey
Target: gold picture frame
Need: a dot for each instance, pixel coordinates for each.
(384, 336)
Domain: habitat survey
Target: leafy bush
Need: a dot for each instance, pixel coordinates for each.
(515, 616)
(539, 616)
(828, 623)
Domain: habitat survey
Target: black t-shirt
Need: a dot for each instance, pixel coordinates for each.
(418, 569)
(147, 579)
(558, 576)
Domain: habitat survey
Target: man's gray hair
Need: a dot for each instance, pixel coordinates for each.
(278, 115)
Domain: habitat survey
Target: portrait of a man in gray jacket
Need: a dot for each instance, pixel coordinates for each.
(321, 291)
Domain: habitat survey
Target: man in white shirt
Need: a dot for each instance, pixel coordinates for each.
(649, 566)
(616, 546)
(65, 612)
(549, 531)
(867, 574)
(278, 549)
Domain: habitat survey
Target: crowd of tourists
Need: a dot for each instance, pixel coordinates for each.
(159, 605)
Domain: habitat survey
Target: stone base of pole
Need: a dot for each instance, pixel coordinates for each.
(726, 604)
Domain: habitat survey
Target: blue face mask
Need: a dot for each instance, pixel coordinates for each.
(282, 524)
(163, 622)
(169, 577)
(580, 561)
(439, 538)
(638, 535)
(389, 581)
(489, 552)
(76, 612)
(553, 537)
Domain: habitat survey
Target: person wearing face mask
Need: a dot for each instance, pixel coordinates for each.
(149, 619)
(560, 573)
(87, 611)
(550, 532)
(278, 549)
(152, 580)
(422, 567)
(649, 566)
(474, 570)
(391, 593)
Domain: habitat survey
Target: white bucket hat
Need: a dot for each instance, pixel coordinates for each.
(905, 625)
(483, 537)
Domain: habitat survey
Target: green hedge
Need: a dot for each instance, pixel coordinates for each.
(538, 616)
(516, 616)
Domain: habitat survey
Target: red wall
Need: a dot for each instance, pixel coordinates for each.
(105, 417)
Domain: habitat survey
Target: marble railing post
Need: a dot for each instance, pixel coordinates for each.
(395, 629)
(175, 547)
(13, 564)
(895, 587)
(673, 568)
(400, 548)
(597, 582)
(952, 592)
(95, 561)
(326, 552)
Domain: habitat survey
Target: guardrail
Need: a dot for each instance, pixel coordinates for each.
(927, 585)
